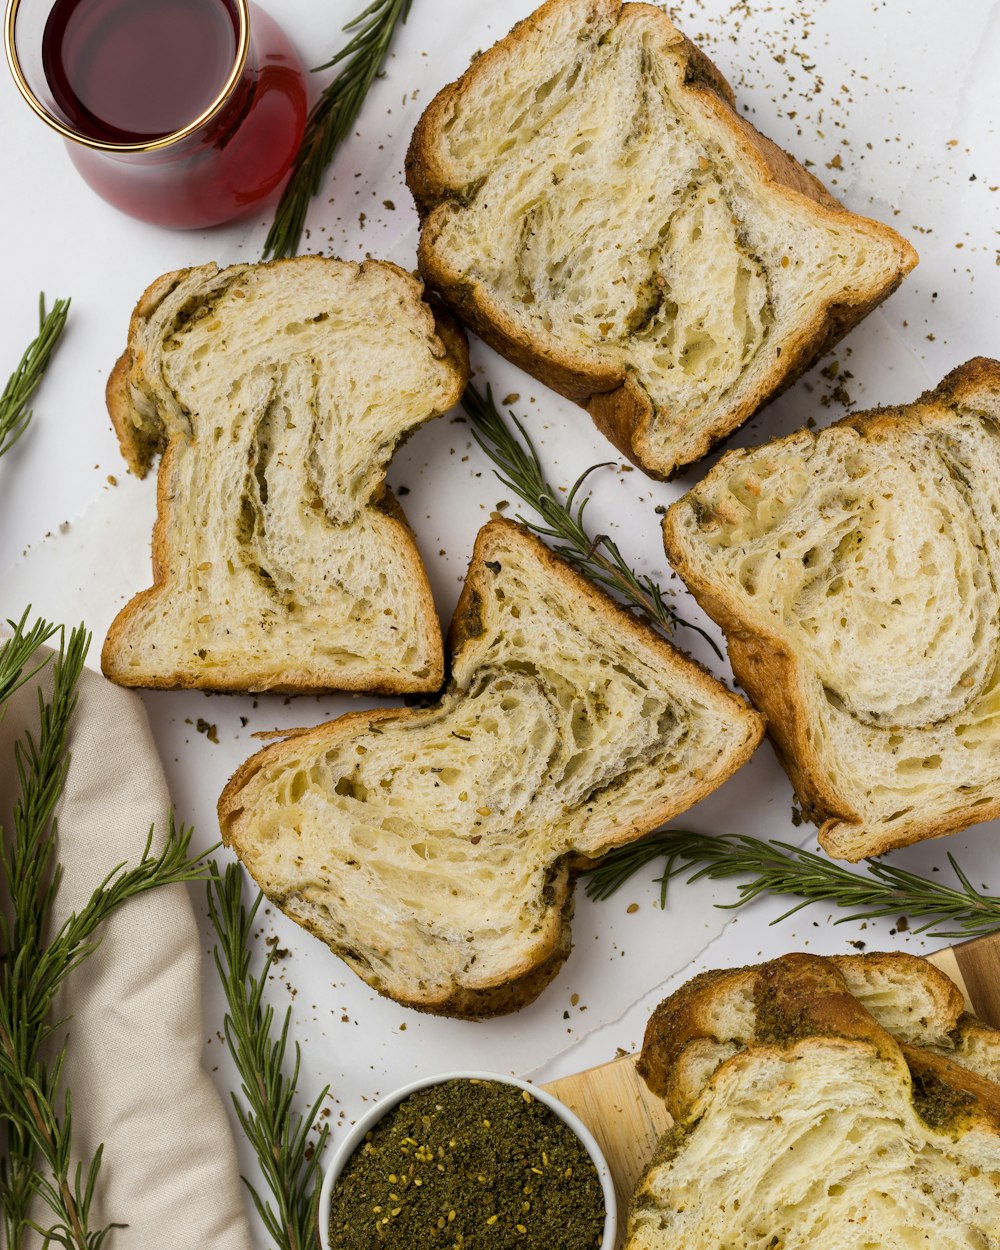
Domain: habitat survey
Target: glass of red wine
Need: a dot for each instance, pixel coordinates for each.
(185, 113)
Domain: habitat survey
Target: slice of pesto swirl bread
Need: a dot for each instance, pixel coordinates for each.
(716, 1015)
(855, 574)
(434, 849)
(822, 1130)
(280, 560)
(594, 206)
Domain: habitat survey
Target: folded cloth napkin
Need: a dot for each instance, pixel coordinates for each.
(133, 1007)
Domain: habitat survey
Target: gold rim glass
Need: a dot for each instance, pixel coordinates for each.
(23, 43)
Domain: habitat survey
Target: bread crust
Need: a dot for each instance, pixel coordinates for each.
(478, 995)
(785, 1055)
(681, 1021)
(616, 401)
(797, 996)
(702, 1024)
(772, 674)
(141, 436)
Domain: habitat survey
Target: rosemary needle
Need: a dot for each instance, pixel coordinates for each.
(332, 117)
(22, 383)
(774, 867)
(598, 558)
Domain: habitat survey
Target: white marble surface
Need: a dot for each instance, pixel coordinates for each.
(894, 109)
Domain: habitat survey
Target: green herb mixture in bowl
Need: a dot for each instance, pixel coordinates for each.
(468, 1161)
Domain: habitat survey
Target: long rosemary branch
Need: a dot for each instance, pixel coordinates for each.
(520, 470)
(775, 867)
(333, 116)
(22, 383)
(278, 1134)
(30, 901)
(38, 1113)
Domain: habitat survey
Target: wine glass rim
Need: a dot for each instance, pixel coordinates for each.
(101, 145)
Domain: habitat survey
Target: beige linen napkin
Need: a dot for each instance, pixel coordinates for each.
(135, 1037)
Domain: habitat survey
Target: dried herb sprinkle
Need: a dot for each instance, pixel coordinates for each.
(469, 1165)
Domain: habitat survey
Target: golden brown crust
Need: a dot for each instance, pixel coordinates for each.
(798, 996)
(138, 443)
(137, 452)
(764, 662)
(688, 1015)
(810, 1059)
(450, 332)
(681, 1020)
(617, 403)
(767, 670)
(961, 384)
(793, 997)
(466, 1002)
(624, 416)
(970, 1101)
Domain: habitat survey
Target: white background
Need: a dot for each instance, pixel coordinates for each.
(891, 108)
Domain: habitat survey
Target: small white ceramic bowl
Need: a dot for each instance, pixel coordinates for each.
(356, 1136)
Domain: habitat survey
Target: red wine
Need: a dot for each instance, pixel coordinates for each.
(128, 71)
(131, 71)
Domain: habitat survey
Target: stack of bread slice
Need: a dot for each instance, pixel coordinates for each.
(855, 572)
(596, 208)
(434, 849)
(847, 1103)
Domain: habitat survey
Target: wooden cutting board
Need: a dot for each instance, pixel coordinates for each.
(627, 1120)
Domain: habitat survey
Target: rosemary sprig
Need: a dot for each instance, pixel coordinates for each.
(278, 1134)
(26, 1085)
(37, 1111)
(17, 652)
(14, 411)
(781, 868)
(333, 116)
(520, 470)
